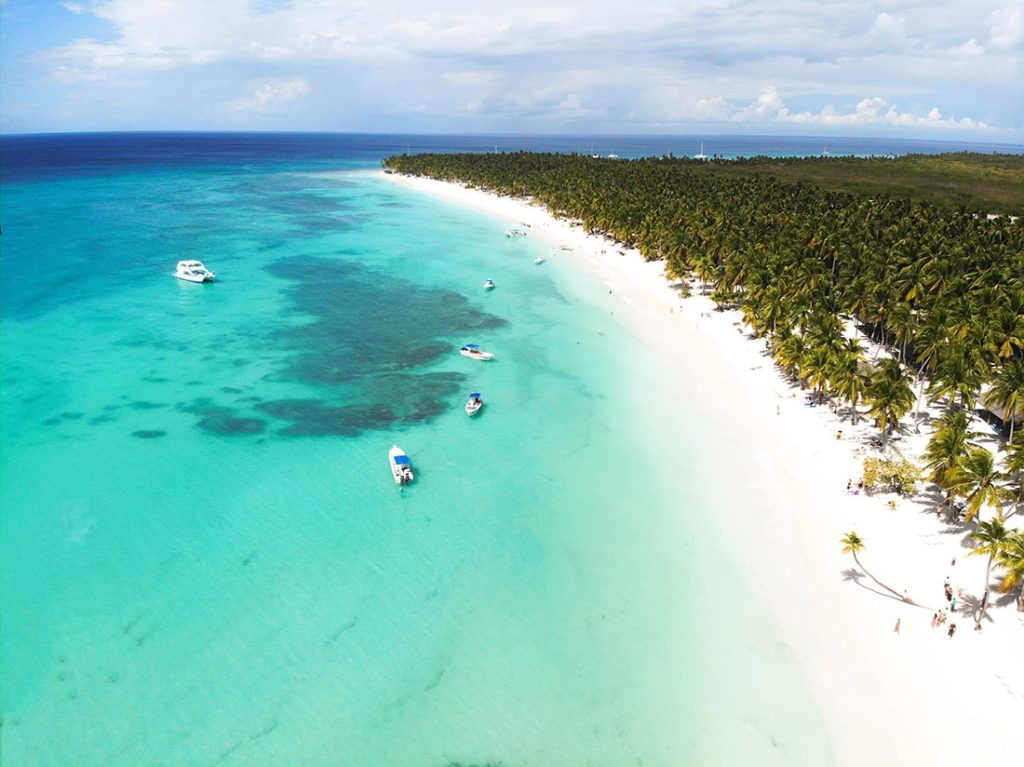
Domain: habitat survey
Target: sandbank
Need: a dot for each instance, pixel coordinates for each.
(916, 696)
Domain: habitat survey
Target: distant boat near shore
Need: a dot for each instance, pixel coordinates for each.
(700, 155)
(488, 284)
(474, 403)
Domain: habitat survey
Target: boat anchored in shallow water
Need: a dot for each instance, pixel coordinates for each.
(475, 352)
(194, 271)
(539, 260)
(488, 284)
(401, 466)
(474, 403)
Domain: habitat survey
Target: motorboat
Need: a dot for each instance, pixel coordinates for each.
(474, 403)
(401, 466)
(475, 352)
(513, 233)
(539, 260)
(488, 284)
(194, 271)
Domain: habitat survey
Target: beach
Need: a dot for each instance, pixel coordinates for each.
(891, 688)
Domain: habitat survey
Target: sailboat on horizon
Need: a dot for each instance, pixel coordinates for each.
(700, 155)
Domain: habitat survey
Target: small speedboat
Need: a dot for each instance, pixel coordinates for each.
(475, 352)
(539, 260)
(401, 466)
(488, 284)
(474, 403)
(194, 271)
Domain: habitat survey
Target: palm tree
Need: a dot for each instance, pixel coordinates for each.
(1011, 560)
(958, 375)
(849, 377)
(890, 396)
(1007, 392)
(975, 478)
(852, 544)
(816, 369)
(992, 536)
(947, 447)
(1014, 465)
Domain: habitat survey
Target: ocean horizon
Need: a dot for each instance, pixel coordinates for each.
(204, 558)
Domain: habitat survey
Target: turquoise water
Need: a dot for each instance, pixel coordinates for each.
(205, 560)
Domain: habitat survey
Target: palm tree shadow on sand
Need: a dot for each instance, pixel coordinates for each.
(852, 574)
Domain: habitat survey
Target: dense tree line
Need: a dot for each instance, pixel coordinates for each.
(942, 289)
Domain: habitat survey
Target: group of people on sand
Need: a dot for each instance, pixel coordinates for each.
(854, 490)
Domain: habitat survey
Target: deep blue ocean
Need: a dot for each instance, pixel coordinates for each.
(203, 557)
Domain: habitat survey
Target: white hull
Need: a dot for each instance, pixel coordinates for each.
(193, 271)
(472, 408)
(475, 355)
(400, 468)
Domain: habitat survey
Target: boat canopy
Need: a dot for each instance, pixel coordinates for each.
(474, 395)
(402, 460)
(471, 346)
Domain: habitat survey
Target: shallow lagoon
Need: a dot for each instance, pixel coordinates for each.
(205, 560)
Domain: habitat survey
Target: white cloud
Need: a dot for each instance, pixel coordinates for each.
(270, 96)
(659, 62)
(769, 108)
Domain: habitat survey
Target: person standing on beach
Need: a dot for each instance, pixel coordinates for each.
(952, 630)
(897, 627)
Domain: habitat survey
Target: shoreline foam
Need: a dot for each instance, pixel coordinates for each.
(886, 698)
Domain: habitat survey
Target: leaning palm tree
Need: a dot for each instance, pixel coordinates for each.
(852, 544)
(1011, 560)
(890, 396)
(976, 478)
(992, 536)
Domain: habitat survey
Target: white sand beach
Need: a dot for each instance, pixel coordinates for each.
(916, 696)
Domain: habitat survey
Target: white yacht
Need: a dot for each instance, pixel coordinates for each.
(488, 284)
(474, 403)
(539, 260)
(194, 271)
(401, 467)
(475, 352)
(700, 155)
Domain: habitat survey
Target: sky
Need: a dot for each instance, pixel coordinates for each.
(938, 69)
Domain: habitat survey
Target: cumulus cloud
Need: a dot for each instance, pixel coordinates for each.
(769, 107)
(563, 60)
(270, 96)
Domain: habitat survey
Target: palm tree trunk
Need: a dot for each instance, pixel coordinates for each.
(984, 596)
(891, 590)
(917, 409)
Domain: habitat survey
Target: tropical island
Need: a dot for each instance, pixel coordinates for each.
(891, 315)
